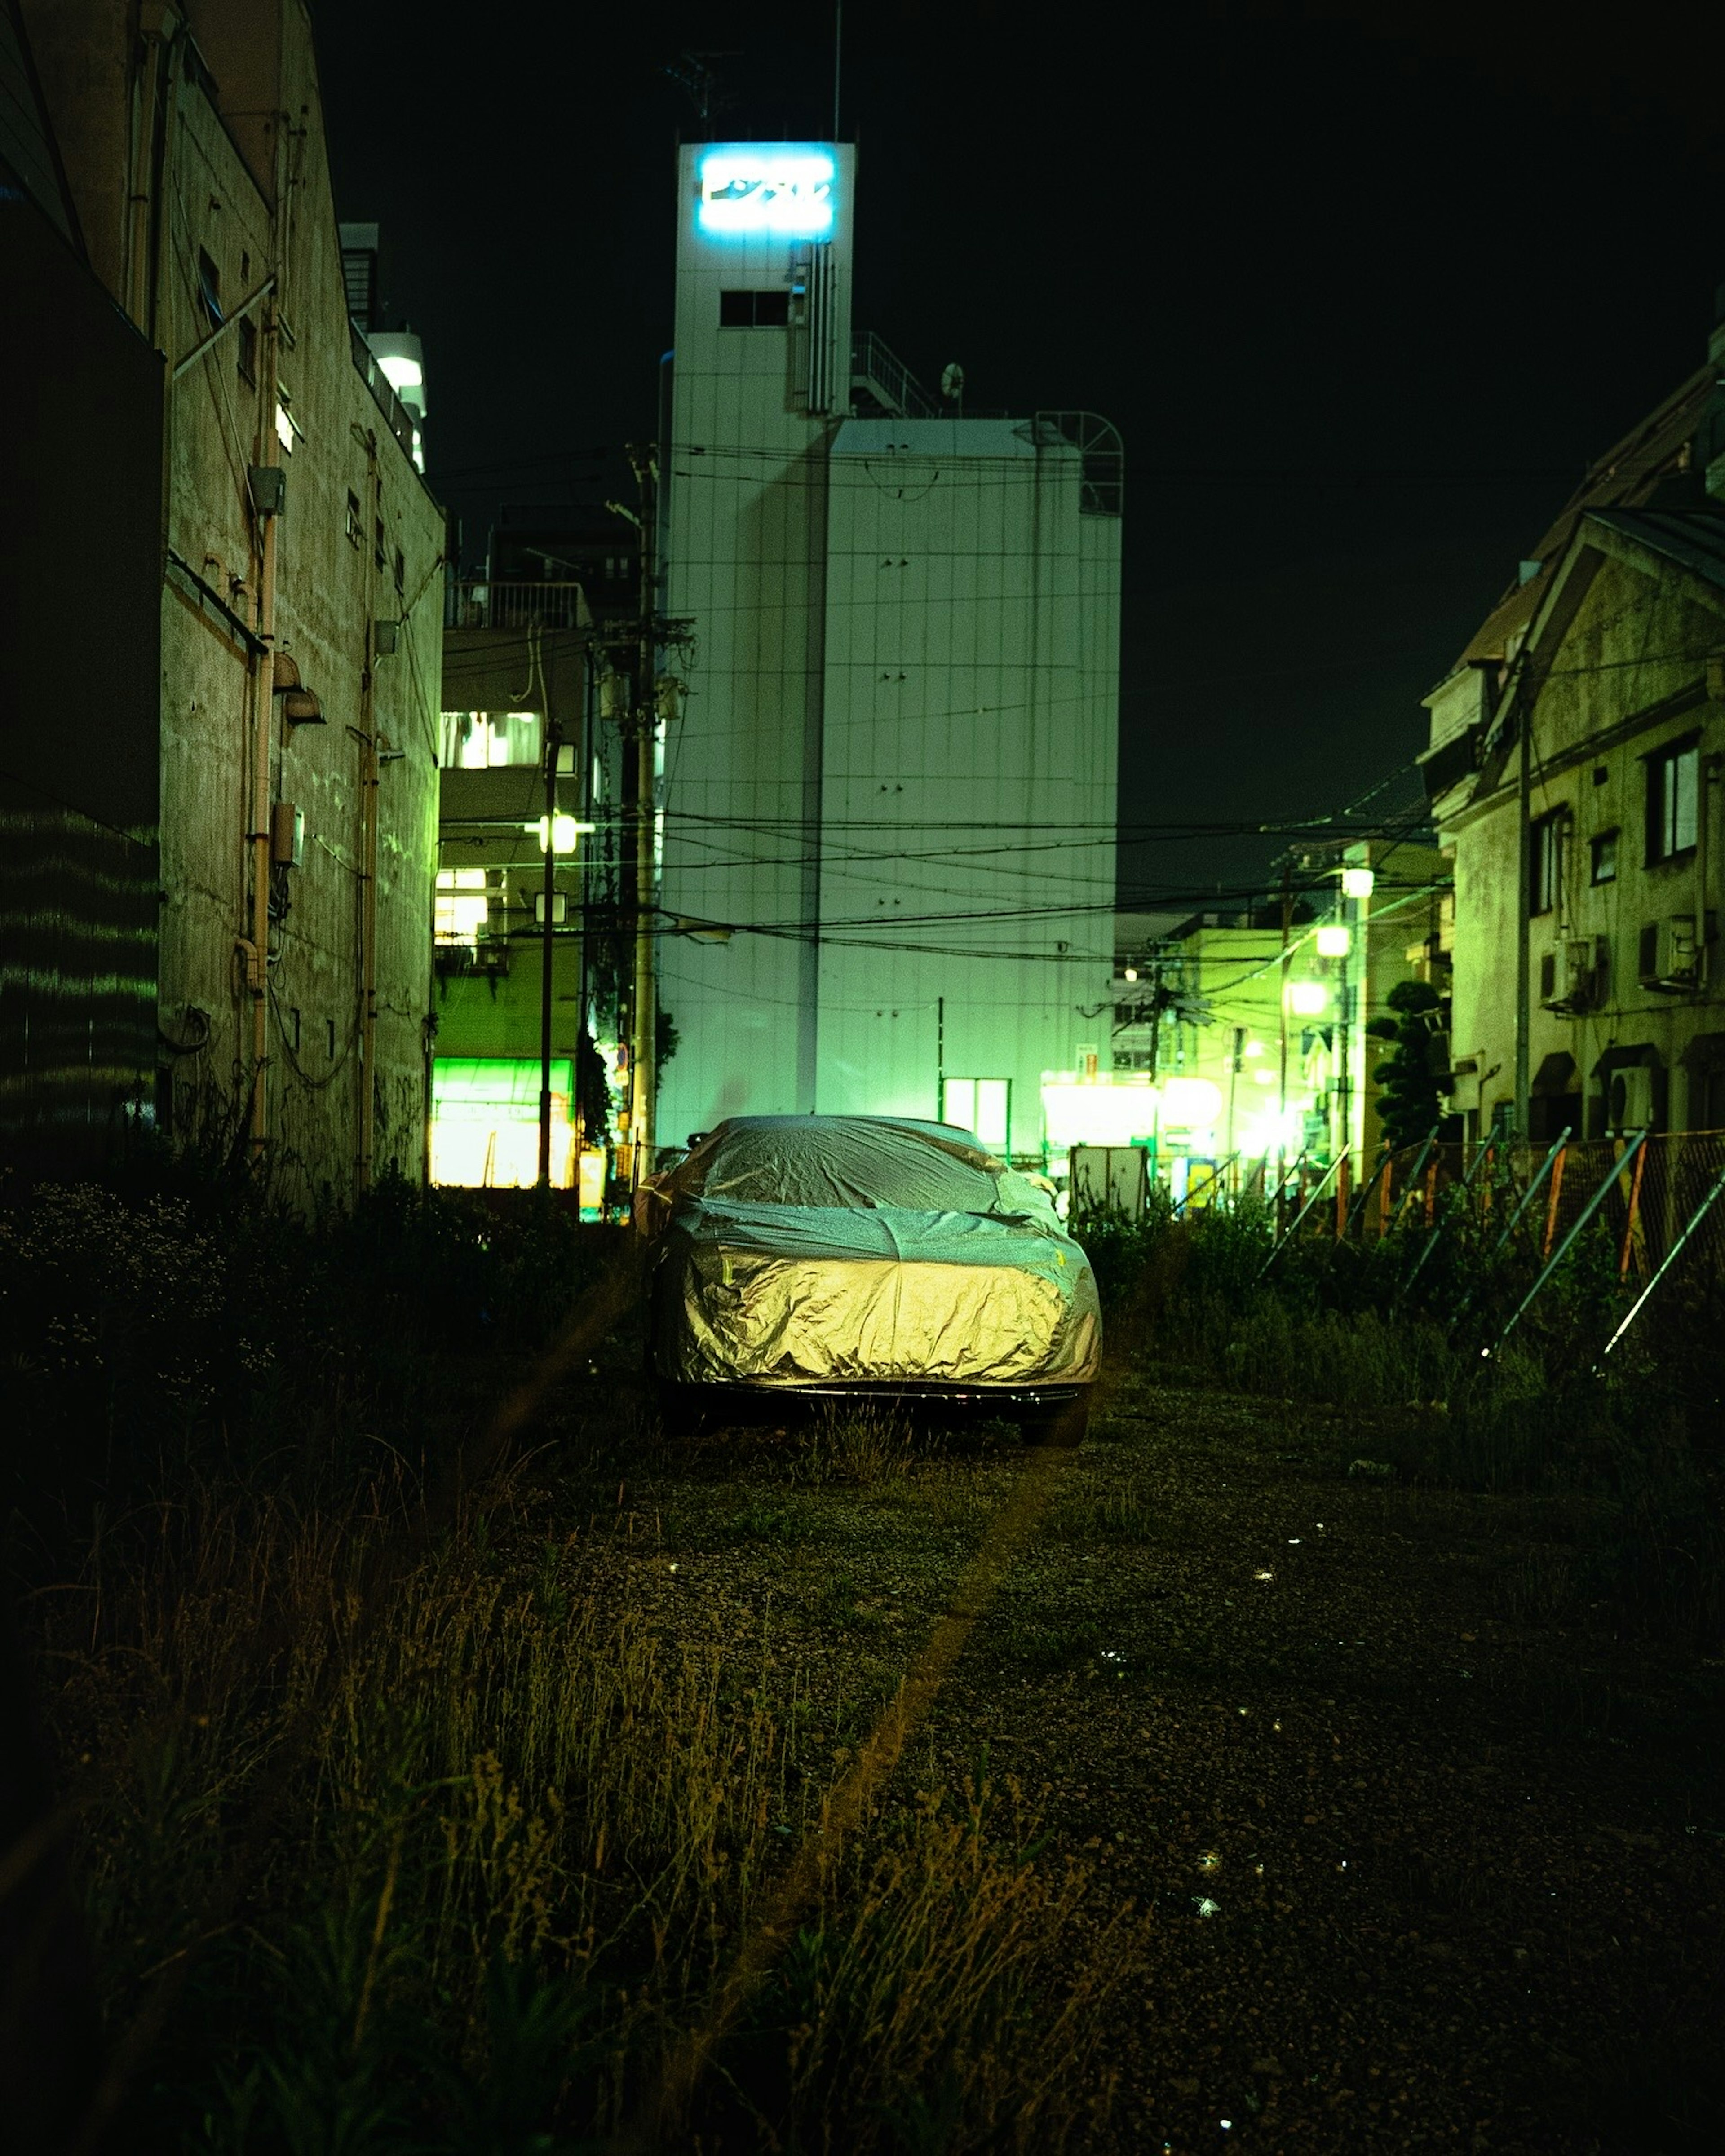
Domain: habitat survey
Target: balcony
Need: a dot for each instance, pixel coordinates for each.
(504, 604)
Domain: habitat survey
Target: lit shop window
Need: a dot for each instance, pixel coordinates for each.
(462, 905)
(488, 740)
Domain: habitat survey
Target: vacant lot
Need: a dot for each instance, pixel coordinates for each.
(450, 1763)
(1433, 1857)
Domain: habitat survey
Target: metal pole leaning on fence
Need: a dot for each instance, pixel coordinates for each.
(1362, 1196)
(1413, 1182)
(1431, 1241)
(1526, 1200)
(1666, 1264)
(1562, 1251)
(1212, 1181)
(1317, 1192)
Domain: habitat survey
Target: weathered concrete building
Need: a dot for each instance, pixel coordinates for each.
(1573, 768)
(298, 554)
(79, 667)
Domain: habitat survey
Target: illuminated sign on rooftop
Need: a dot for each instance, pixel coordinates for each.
(779, 190)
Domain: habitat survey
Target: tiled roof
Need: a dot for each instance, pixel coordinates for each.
(1694, 538)
(1626, 477)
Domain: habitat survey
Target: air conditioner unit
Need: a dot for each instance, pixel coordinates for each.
(1572, 974)
(1628, 1099)
(1670, 953)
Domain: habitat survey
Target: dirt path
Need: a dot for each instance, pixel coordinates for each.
(1429, 1867)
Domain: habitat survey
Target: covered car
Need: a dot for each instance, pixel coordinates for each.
(842, 1255)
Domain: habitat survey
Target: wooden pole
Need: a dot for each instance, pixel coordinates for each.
(1556, 1193)
(1632, 1222)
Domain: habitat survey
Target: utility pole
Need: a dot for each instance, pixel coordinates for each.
(1524, 894)
(1282, 1094)
(638, 828)
(553, 742)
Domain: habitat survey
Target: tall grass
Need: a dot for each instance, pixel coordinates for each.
(402, 1822)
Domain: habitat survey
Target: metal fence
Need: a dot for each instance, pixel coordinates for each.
(1643, 1192)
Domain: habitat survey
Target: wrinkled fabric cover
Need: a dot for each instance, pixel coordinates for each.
(811, 1292)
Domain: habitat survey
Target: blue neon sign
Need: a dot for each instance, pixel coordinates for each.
(778, 190)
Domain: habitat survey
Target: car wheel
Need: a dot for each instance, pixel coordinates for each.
(1063, 1429)
(682, 1412)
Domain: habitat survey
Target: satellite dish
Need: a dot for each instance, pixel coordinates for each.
(953, 381)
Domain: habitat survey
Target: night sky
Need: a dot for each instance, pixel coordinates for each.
(1363, 302)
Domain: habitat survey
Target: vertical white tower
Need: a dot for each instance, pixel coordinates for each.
(893, 782)
(760, 375)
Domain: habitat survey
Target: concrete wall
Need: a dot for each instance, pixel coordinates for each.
(360, 539)
(79, 635)
(969, 748)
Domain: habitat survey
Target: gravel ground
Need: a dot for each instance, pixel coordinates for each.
(1437, 1859)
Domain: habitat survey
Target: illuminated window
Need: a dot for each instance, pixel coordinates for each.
(1308, 999)
(1603, 850)
(754, 311)
(461, 907)
(1672, 797)
(980, 1105)
(485, 1120)
(1333, 940)
(481, 741)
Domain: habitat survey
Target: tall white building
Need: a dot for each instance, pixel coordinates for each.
(889, 802)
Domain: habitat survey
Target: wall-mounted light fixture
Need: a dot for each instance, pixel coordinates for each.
(300, 706)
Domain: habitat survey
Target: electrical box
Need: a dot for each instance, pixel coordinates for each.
(559, 907)
(268, 483)
(287, 835)
(385, 639)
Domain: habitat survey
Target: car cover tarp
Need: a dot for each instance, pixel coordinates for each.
(796, 1289)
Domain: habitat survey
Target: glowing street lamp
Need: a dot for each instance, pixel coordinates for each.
(1333, 940)
(1358, 883)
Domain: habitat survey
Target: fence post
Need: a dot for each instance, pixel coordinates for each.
(1556, 1193)
(1562, 1250)
(1666, 1264)
(1632, 1222)
(1342, 1197)
(1431, 1170)
(1383, 1195)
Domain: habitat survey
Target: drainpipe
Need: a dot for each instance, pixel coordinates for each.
(1524, 899)
(366, 957)
(1704, 935)
(266, 500)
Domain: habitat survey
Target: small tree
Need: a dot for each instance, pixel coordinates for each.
(1410, 1100)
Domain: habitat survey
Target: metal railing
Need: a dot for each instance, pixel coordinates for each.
(396, 416)
(501, 602)
(879, 370)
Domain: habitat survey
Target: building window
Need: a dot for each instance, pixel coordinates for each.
(1603, 850)
(380, 547)
(981, 1105)
(356, 529)
(485, 741)
(461, 906)
(754, 311)
(209, 290)
(401, 570)
(246, 357)
(1545, 842)
(1672, 800)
